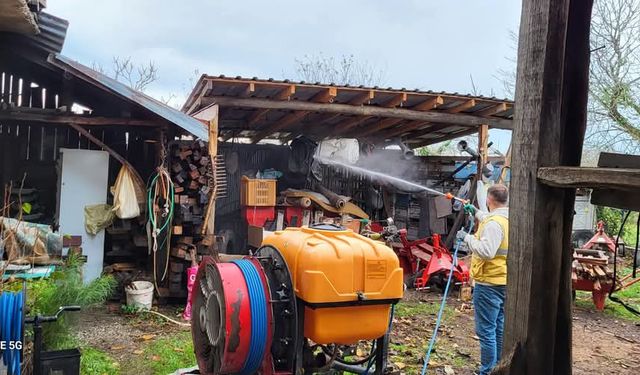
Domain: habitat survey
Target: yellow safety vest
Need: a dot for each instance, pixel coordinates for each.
(492, 271)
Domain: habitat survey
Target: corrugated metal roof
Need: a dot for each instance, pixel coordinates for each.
(53, 31)
(188, 123)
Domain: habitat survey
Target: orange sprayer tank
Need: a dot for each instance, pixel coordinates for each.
(347, 282)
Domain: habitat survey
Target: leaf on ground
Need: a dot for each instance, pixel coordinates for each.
(400, 365)
(117, 347)
(148, 337)
(155, 358)
(138, 351)
(449, 370)
(179, 350)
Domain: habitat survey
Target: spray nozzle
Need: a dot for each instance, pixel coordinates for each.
(450, 196)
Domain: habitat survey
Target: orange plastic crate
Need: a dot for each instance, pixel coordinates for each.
(255, 192)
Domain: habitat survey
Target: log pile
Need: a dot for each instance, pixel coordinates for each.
(592, 265)
(195, 175)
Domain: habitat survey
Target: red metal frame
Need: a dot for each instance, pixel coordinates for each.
(600, 238)
(434, 258)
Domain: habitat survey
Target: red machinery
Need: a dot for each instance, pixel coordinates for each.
(427, 262)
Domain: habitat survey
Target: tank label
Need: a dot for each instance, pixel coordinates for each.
(376, 269)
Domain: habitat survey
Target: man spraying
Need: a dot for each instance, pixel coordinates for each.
(489, 247)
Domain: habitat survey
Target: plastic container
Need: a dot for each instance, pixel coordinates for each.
(254, 192)
(63, 362)
(141, 295)
(346, 281)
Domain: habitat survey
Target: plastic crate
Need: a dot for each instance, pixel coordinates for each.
(255, 192)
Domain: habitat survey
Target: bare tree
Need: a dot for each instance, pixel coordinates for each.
(136, 76)
(346, 70)
(615, 75)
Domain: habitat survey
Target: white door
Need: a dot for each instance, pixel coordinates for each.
(83, 182)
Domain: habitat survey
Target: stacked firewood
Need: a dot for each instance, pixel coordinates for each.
(195, 175)
(591, 265)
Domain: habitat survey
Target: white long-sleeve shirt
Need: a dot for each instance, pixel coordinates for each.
(489, 240)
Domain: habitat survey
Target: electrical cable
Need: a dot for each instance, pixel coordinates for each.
(444, 300)
(11, 316)
(258, 307)
(615, 264)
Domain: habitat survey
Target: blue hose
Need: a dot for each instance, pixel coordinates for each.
(11, 330)
(258, 305)
(443, 303)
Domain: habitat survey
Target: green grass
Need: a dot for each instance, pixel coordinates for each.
(96, 362)
(418, 308)
(630, 295)
(167, 354)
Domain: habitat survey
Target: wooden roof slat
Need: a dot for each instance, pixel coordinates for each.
(347, 124)
(492, 110)
(325, 95)
(279, 125)
(429, 104)
(454, 135)
(206, 89)
(434, 116)
(363, 98)
(249, 90)
(399, 130)
(283, 94)
(396, 100)
(463, 106)
(384, 124)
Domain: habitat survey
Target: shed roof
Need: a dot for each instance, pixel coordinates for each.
(188, 123)
(268, 108)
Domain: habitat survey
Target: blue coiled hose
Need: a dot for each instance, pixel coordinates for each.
(11, 312)
(258, 304)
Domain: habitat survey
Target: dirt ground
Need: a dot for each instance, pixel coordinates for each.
(602, 344)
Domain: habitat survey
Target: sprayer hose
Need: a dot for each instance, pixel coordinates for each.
(11, 311)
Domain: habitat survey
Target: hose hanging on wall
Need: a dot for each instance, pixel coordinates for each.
(160, 202)
(11, 317)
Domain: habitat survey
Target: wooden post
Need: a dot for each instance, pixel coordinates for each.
(483, 149)
(208, 227)
(549, 122)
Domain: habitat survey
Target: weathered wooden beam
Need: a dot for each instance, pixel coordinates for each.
(463, 106)
(378, 127)
(249, 90)
(429, 104)
(48, 117)
(447, 137)
(363, 98)
(483, 148)
(396, 100)
(207, 86)
(325, 95)
(256, 116)
(549, 123)
(403, 128)
(402, 113)
(584, 177)
(279, 125)
(492, 110)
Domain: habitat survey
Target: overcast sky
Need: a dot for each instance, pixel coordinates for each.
(425, 44)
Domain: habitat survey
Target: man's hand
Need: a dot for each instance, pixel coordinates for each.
(461, 235)
(469, 208)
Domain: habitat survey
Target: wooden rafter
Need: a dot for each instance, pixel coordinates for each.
(206, 89)
(283, 94)
(454, 135)
(402, 113)
(492, 110)
(279, 125)
(347, 124)
(401, 129)
(396, 100)
(249, 90)
(326, 95)
(50, 118)
(363, 98)
(377, 127)
(429, 104)
(463, 106)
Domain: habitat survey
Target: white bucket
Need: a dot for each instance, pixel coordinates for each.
(141, 295)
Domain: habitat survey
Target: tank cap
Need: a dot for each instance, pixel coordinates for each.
(330, 227)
